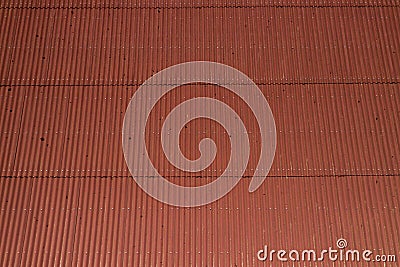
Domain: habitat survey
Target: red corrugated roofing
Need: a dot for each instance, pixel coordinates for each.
(330, 71)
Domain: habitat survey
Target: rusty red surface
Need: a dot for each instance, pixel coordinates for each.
(330, 71)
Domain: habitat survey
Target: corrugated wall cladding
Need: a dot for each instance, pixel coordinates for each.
(273, 45)
(330, 71)
(76, 131)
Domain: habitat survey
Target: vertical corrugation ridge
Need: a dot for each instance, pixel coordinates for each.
(9, 26)
(15, 246)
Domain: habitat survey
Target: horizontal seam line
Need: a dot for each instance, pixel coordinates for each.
(166, 84)
(207, 7)
(182, 176)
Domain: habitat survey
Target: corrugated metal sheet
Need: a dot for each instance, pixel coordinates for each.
(273, 45)
(330, 71)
